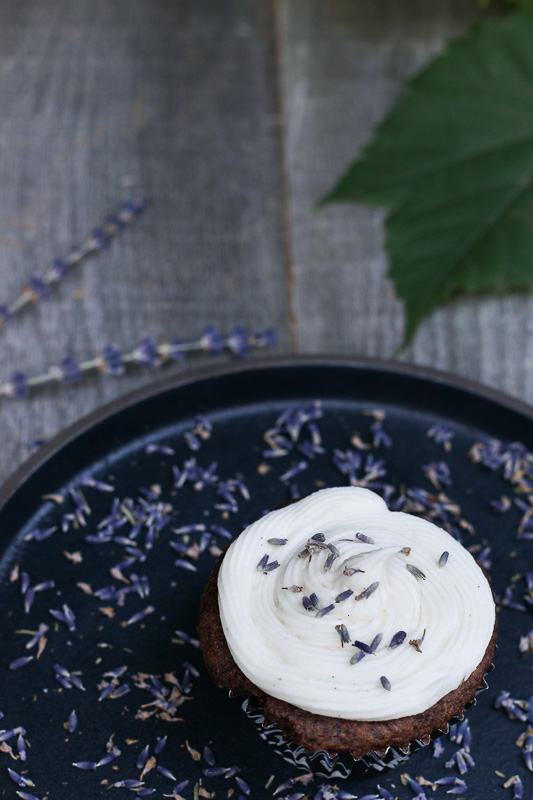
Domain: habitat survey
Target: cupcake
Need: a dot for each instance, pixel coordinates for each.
(351, 631)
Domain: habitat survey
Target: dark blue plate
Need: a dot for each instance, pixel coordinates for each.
(112, 446)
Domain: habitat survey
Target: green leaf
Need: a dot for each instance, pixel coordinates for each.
(454, 164)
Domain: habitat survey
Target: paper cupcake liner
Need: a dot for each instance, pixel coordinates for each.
(340, 765)
(344, 765)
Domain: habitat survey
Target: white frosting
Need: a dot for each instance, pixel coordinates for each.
(296, 656)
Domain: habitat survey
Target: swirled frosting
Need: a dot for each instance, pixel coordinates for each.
(378, 573)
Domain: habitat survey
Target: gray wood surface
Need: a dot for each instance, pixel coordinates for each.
(99, 99)
(343, 65)
(233, 118)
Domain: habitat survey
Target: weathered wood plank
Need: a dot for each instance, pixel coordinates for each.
(98, 99)
(342, 67)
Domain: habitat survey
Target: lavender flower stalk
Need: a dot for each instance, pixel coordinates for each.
(111, 361)
(37, 287)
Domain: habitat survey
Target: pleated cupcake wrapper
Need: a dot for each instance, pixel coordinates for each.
(344, 765)
(340, 765)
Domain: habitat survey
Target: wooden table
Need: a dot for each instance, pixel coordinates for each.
(233, 117)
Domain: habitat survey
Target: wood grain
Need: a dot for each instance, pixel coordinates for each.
(174, 100)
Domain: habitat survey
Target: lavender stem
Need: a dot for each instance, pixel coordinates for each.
(111, 361)
(37, 287)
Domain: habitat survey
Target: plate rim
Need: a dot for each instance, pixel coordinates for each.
(170, 383)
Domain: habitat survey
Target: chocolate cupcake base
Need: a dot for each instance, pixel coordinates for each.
(343, 765)
(343, 743)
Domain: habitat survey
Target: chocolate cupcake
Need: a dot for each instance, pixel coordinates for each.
(354, 633)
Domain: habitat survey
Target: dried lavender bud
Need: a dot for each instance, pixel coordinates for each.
(215, 772)
(397, 639)
(417, 642)
(278, 542)
(120, 691)
(318, 537)
(416, 572)
(385, 683)
(294, 471)
(140, 615)
(334, 550)
(20, 662)
(367, 592)
(329, 562)
(129, 783)
(272, 565)
(29, 597)
(243, 786)
(349, 571)
(326, 610)
(232, 771)
(443, 559)
(20, 780)
(314, 546)
(293, 588)
(366, 648)
(165, 772)
(262, 564)
(308, 604)
(357, 657)
(343, 595)
(376, 641)
(107, 759)
(21, 746)
(342, 630)
(363, 538)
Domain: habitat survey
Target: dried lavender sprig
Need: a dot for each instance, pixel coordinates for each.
(37, 287)
(111, 361)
